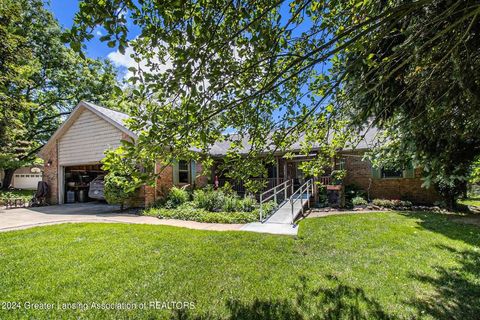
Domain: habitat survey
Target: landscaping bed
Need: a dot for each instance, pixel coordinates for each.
(23, 195)
(208, 205)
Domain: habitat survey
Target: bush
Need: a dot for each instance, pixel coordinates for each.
(176, 197)
(208, 205)
(187, 212)
(359, 201)
(247, 204)
(209, 199)
(352, 191)
(391, 203)
(231, 204)
(25, 195)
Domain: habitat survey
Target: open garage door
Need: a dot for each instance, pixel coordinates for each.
(80, 180)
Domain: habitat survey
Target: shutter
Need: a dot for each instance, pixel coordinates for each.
(193, 171)
(175, 172)
(376, 172)
(409, 171)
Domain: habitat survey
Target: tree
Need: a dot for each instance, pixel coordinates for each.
(275, 70)
(124, 177)
(42, 80)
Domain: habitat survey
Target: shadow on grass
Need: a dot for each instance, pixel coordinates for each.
(338, 301)
(457, 289)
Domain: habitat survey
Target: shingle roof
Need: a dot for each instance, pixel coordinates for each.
(220, 148)
(117, 116)
(367, 139)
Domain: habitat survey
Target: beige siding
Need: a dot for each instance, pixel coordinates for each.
(87, 139)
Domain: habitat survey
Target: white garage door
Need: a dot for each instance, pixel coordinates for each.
(26, 181)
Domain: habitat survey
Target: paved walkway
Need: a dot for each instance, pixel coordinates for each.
(23, 218)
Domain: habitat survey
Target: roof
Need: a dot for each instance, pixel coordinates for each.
(366, 140)
(219, 148)
(117, 116)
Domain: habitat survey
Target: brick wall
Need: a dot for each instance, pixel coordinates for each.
(359, 173)
(50, 174)
(202, 177)
(165, 182)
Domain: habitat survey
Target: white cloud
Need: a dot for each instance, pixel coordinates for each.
(98, 33)
(125, 61)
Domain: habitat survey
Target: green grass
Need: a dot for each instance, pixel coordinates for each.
(364, 266)
(471, 202)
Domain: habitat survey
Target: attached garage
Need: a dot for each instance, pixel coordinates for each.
(72, 156)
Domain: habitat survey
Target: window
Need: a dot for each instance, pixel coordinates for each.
(391, 173)
(183, 171)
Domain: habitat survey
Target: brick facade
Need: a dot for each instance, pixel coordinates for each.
(359, 173)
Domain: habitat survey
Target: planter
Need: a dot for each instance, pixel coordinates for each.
(334, 187)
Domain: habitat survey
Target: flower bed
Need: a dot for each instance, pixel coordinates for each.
(208, 205)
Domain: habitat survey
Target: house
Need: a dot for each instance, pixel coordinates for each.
(26, 178)
(72, 159)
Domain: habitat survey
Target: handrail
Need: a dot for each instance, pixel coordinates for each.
(284, 188)
(307, 186)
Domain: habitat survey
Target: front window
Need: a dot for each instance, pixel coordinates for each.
(391, 173)
(183, 171)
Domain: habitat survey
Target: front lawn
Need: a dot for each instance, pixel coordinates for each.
(471, 202)
(363, 266)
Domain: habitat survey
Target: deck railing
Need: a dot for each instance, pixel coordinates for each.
(239, 186)
(278, 192)
(325, 180)
(305, 189)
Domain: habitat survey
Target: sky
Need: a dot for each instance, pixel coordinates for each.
(64, 11)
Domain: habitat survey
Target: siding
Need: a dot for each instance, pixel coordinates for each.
(87, 139)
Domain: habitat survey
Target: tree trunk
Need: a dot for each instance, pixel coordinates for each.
(7, 179)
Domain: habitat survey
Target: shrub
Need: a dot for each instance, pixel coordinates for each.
(25, 195)
(247, 204)
(391, 203)
(176, 197)
(209, 199)
(352, 191)
(231, 204)
(187, 212)
(359, 201)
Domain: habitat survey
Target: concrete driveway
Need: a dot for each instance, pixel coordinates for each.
(22, 218)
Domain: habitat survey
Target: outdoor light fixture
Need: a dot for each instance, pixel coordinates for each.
(49, 163)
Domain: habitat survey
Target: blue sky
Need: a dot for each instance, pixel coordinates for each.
(64, 11)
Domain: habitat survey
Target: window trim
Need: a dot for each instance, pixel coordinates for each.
(183, 171)
(400, 176)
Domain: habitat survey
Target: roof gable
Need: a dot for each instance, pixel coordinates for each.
(115, 118)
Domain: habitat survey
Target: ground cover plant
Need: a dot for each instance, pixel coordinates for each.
(395, 265)
(25, 195)
(208, 205)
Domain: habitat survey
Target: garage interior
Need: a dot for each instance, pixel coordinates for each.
(77, 182)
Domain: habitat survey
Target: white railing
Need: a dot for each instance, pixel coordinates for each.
(276, 191)
(306, 188)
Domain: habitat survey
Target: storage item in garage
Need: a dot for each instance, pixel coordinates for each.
(81, 196)
(70, 196)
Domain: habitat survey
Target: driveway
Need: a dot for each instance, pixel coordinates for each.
(22, 218)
